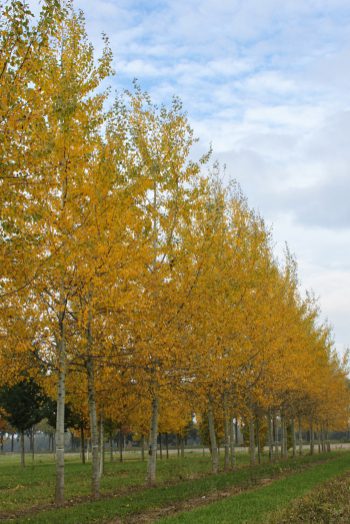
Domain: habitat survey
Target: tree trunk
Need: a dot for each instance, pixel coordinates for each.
(312, 444)
(32, 434)
(252, 440)
(160, 447)
(226, 433)
(319, 440)
(152, 453)
(293, 438)
(233, 441)
(142, 448)
(328, 440)
(323, 440)
(182, 441)
(212, 435)
(178, 445)
(61, 393)
(270, 435)
(82, 443)
(167, 445)
(258, 439)
(284, 438)
(300, 437)
(120, 442)
(93, 428)
(111, 449)
(102, 446)
(12, 442)
(275, 430)
(22, 450)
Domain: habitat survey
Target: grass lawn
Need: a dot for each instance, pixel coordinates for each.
(328, 504)
(35, 484)
(179, 480)
(257, 505)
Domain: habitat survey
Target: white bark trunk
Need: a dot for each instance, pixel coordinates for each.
(293, 438)
(252, 440)
(270, 435)
(152, 454)
(59, 440)
(212, 435)
(227, 433)
(22, 450)
(93, 429)
(102, 446)
(232, 443)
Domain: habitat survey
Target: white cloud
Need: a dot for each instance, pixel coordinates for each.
(267, 83)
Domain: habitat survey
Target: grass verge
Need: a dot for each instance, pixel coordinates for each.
(255, 506)
(122, 507)
(328, 504)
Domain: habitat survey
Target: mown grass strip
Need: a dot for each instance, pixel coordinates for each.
(122, 506)
(327, 504)
(21, 488)
(255, 506)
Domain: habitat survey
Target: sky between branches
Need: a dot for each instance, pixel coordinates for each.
(267, 82)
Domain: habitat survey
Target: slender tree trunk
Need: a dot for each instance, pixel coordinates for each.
(142, 448)
(22, 450)
(300, 438)
(102, 446)
(270, 435)
(59, 439)
(12, 442)
(328, 440)
(285, 439)
(319, 440)
(178, 444)
(275, 425)
(252, 440)
(293, 438)
(212, 435)
(323, 440)
(160, 447)
(312, 444)
(226, 433)
(93, 427)
(283, 436)
(258, 439)
(182, 443)
(32, 442)
(120, 442)
(233, 442)
(152, 453)
(167, 445)
(111, 449)
(82, 443)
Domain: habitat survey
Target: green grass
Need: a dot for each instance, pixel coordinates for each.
(35, 484)
(255, 506)
(328, 504)
(168, 494)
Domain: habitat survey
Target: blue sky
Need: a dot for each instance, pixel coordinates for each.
(267, 82)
